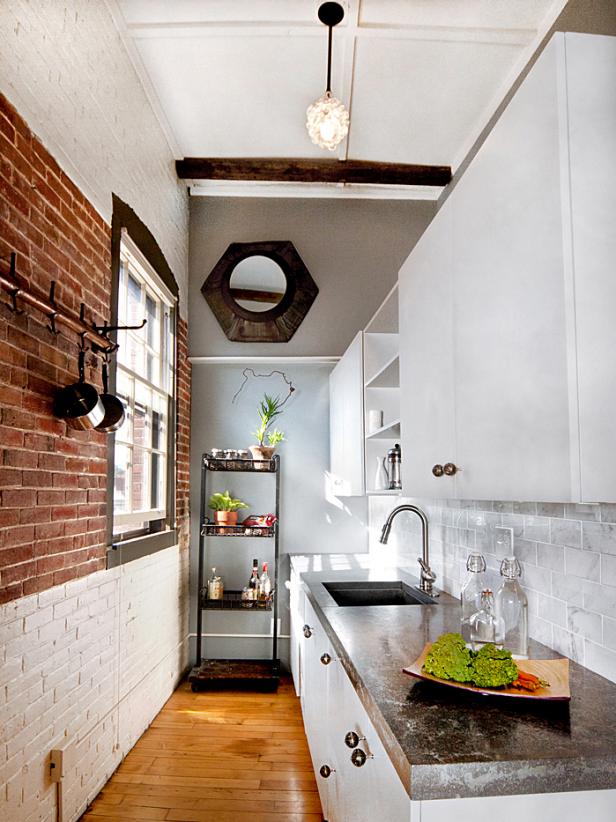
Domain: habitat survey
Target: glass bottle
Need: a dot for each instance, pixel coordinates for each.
(253, 582)
(265, 585)
(485, 625)
(214, 586)
(470, 596)
(511, 605)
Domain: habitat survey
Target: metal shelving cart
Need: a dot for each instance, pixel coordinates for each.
(256, 674)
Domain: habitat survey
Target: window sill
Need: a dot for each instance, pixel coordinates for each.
(120, 553)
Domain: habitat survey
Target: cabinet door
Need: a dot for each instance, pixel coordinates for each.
(426, 326)
(296, 608)
(315, 707)
(591, 83)
(346, 415)
(510, 340)
(373, 790)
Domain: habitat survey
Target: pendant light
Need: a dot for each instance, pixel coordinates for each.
(327, 118)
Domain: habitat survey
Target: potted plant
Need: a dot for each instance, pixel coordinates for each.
(225, 508)
(269, 409)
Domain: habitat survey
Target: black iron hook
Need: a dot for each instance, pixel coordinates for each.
(52, 316)
(14, 292)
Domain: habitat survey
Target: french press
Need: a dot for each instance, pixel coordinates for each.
(394, 459)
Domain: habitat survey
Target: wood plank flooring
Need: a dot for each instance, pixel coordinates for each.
(225, 756)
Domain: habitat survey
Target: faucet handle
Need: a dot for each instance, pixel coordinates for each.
(426, 572)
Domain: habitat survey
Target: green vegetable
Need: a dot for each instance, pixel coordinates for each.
(449, 658)
(490, 667)
(225, 502)
(493, 667)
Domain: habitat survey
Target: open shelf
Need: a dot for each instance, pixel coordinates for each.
(268, 466)
(388, 376)
(384, 492)
(210, 529)
(252, 674)
(391, 431)
(232, 601)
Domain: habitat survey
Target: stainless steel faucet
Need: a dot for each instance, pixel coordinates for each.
(427, 575)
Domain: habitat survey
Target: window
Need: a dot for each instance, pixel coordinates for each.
(143, 470)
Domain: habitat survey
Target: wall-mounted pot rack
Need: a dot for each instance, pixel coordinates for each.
(97, 335)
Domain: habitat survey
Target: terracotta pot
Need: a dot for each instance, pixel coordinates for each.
(262, 452)
(225, 517)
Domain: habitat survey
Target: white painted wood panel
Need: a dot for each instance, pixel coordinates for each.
(427, 400)
(511, 384)
(591, 85)
(346, 387)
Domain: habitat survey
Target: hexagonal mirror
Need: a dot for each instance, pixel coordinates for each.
(260, 292)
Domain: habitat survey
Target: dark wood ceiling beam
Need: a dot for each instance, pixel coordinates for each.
(268, 169)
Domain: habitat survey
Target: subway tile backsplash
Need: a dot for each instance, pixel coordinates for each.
(567, 552)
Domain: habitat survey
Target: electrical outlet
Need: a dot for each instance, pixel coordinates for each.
(56, 765)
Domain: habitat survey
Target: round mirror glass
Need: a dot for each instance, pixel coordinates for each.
(257, 283)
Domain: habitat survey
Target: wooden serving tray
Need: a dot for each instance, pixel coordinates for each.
(554, 671)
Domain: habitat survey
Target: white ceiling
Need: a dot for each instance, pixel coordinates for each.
(233, 78)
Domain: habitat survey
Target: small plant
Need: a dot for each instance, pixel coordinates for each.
(225, 502)
(274, 437)
(269, 408)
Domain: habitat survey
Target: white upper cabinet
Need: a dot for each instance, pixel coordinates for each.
(591, 86)
(506, 303)
(426, 361)
(346, 422)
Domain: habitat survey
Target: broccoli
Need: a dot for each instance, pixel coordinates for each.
(449, 658)
(492, 667)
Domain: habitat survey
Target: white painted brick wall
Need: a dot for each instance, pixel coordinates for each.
(64, 67)
(85, 667)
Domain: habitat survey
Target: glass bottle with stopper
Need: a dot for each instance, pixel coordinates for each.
(511, 605)
(470, 596)
(485, 625)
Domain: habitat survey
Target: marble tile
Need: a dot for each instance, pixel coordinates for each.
(567, 588)
(599, 537)
(551, 556)
(537, 529)
(608, 570)
(609, 633)
(540, 629)
(503, 507)
(586, 623)
(553, 610)
(585, 564)
(529, 508)
(583, 510)
(608, 511)
(599, 598)
(525, 551)
(599, 659)
(551, 509)
(566, 532)
(571, 645)
(539, 579)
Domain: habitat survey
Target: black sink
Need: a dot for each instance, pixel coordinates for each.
(376, 593)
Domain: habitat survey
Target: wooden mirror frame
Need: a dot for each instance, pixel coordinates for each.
(277, 324)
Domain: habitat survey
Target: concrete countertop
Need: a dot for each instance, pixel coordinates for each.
(445, 743)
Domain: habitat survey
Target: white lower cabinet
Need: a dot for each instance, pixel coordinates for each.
(371, 791)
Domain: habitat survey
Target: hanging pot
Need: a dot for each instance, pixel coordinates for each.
(79, 404)
(114, 408)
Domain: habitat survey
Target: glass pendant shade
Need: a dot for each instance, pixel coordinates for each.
(327, 121)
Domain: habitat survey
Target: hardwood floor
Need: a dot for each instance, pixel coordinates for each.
(216, 757)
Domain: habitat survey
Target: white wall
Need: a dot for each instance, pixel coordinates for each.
(64, 68)
(85, 667)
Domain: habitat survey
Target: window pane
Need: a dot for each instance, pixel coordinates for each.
(121, 481)
(158, 482)
(140, 480)
(134, 312)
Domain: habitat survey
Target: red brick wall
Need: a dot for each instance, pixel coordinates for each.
(53, 478)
